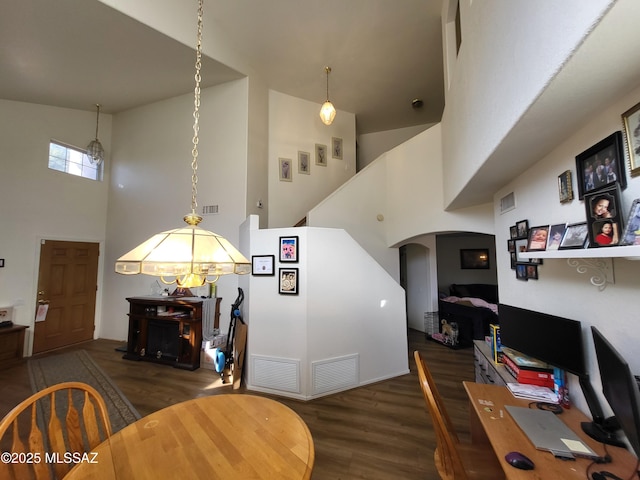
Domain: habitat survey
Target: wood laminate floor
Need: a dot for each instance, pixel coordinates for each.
(377, 432)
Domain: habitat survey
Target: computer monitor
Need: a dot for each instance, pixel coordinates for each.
(620, 388)
(558, 342)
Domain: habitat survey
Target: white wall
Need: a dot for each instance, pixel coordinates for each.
(449, 270)
(561, 290)
(347, 304)
(150, 189)
(294, 125)
(38, 203)
(372, 145)
(494, 82)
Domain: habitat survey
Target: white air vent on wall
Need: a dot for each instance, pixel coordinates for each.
(335, 374)
(275, 373)
(209, 209)
(508, 203)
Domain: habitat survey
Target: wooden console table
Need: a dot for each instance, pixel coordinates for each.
(167, 330)
(229, 436)
(11, 344)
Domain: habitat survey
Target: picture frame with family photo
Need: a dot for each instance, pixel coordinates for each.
(604, 217)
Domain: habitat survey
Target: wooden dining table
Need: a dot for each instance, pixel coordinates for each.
(228, 436)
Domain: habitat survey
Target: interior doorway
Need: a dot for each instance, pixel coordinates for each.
(67, 284)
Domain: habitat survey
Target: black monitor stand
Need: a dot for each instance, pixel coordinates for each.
(601, 429)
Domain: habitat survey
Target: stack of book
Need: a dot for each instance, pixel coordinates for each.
(527, 369)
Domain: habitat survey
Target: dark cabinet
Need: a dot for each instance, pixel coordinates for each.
(167, 329)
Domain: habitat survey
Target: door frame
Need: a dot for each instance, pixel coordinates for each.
(32, 301)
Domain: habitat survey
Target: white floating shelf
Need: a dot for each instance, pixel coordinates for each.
(630, 252)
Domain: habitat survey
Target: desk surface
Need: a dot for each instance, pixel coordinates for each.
(218, 437)
(491, 422)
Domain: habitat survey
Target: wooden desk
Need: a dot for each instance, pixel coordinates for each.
(218, 437)
(493, 424)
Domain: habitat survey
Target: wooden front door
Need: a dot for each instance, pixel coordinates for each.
(67, 283)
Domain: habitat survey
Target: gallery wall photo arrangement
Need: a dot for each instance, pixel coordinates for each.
(631, 122)
(601, 166)
(604, 217)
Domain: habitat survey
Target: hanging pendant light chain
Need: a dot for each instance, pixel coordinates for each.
(97, 119)
(196, 113)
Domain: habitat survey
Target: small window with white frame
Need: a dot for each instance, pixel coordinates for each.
(72, 160)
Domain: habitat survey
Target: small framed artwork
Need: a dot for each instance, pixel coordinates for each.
(565, 188)
(304, 163)
(521, 271)
(511, 246)
(263, 265)
(555, 235)
(632, 232)
(288, 284)
(476, 258)
(604, 217)
(600, 166)
(631, 122)
(538, 238)
(532, 272)
(321, 155)
(285, 169)
(575, 236)
(514, 260)
(336, 148)
(289, 249)
(513, 231)
(522, 227)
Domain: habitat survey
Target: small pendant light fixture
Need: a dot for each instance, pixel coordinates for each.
(328, 111)
(94, 150)
(191, 255)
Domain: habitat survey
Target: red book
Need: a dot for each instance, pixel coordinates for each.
(522, 374)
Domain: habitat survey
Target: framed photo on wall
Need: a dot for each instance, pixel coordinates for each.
(336, 148)
(285, 167)
(556, 232)
(288, 249)
(288, 284)
(565, 187)
(631, 122)
(538, 238)
(600, 166)
(632, 231)
(263, 265)
(321, 155)
(304, 163)
(575, 236)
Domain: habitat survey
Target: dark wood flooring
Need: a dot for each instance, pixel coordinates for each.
(377, 432)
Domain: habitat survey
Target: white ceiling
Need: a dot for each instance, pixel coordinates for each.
(383, 54)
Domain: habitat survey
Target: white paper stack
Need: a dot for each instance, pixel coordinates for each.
(532, 392)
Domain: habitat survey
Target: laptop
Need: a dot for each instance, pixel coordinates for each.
(547, 432)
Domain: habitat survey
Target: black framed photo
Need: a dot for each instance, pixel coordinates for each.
(537, 241)
(289, 249)
(521, 247)
(556, 232)
(474, 258)
(604, 216)
(288, 284)
(521, 271)
(263, 265)
(601, 165)
(632, 232)
(565, 187)
(532, 272)
(511, 246)
(522, 227)
(575, 236)
(514, 260)
(513, 231)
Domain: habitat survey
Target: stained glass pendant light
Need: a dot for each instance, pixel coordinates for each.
(188, 256)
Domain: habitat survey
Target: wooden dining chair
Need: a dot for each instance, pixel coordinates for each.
(45, 433)
(454, 460)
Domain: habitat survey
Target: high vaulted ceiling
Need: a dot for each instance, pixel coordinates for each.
(383, 54)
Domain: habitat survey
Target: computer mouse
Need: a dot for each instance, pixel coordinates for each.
(518, 460)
